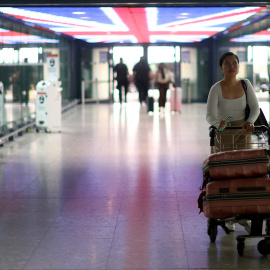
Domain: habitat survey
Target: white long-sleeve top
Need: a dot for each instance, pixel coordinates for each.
(219, 108)
(168, 76)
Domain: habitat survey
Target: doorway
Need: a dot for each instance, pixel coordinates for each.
(169, 55)
(131, 55)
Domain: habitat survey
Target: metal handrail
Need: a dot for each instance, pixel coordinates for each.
(18, 130)
(95, 82)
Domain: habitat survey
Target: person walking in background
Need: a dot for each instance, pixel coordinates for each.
(228, 98)
(122, 73)
(163, 79)
(142, 75)
(27, 81)
(16, 83)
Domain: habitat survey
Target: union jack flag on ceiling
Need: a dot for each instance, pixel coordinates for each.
(134, 25)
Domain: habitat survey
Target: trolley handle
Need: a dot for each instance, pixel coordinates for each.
(213, 130)
(256, 128)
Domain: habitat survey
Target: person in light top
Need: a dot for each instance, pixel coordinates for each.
(227, 97)
(163, 79)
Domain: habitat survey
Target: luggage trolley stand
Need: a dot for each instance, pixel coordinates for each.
(256, 228)
(48, 106)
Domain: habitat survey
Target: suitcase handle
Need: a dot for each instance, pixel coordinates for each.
(251, 189)
(242, 189)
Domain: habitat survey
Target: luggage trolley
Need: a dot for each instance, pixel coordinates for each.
(260, 140)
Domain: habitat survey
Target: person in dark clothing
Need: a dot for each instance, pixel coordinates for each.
(16, 83)
(27, 80)
(122, 73)
(142, 75)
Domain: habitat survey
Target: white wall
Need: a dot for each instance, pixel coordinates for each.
(101, 73)
(189, 70)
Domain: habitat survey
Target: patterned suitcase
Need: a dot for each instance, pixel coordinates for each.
(237, 164)
(232, 197)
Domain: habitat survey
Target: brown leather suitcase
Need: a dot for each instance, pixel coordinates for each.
(232, 197)
(237, 164)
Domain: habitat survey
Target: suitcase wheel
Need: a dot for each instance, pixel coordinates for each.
(212, 230)
(264, 247)
(240, 246)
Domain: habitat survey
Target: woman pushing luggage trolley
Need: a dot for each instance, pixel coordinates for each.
(236, 186)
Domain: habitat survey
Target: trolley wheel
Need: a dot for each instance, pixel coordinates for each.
(212, 231)
(267, 227)
(264, 247)
(240, 246)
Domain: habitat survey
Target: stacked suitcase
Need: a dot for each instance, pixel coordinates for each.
(236, 186)
(236, 182)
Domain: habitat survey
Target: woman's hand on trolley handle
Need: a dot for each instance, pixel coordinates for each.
(249, 127)
(224, 123)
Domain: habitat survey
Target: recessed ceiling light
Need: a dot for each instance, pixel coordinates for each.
(78, 12)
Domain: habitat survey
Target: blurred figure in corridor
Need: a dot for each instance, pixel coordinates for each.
(142, 75)
(122, 73)
(163, 78)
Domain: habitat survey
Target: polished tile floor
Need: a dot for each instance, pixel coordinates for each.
(116, 189)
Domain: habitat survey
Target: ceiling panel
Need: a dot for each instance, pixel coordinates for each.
(134, 24)
(13, 37)
(261, 36)
(87, 3)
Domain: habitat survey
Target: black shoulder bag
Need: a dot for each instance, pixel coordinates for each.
(261, 120)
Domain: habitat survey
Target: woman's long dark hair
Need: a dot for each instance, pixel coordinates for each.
(221, 60)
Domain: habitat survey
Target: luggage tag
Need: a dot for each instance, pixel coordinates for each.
(228, 120)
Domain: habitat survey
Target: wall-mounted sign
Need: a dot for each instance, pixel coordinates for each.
(52, 67)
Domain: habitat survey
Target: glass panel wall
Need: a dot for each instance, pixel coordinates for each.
(24, 50)
(95, 75)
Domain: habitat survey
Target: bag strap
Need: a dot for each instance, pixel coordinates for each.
(245, 89)
(261, 115)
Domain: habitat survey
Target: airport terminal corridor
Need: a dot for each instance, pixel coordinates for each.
(117, 189)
